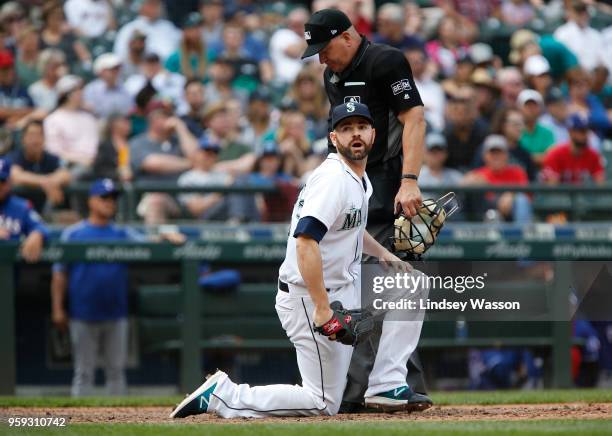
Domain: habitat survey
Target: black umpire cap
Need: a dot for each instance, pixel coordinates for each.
(322, 27)
(350, 109)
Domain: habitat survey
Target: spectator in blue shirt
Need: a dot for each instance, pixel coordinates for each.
(97, 296)
(18, 219)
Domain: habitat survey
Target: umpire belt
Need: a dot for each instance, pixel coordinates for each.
(282, 286)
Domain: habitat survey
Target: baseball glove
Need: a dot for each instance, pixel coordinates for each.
(415, 235)
(342, 324)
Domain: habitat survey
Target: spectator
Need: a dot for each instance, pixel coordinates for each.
(27, 56)
(464, 132)
(537, 73)
(134, 56)
(486, 94)
(251, 62)
(460, 82)
(584, 41)
(212, 14)
(536, 139)
(15, 102)
(556, 115)
(498, 171)
(517, 13)
(434, 172)
(600, 87)
(477, 11)
(525, 43)
(113, 157)
(167, 85)
(51, 66)
(219, 88)
(190, 59)
(574, 162)
(106, 95)
(431, 92)
(308, 94)
(509, 123)
(89, 18)
(259, 122)
(234, 157)
(582, 101)
(18, 219)
(446, 49)
(71, 132)
(293, 144)
(268, 171)
(510, 84)
(162, 38)
(211, 206)
(14, 19)
(54, 34)
(391, 24)
(97, 297)
(33, 167)
(287, 45)
(164, 151)
(194, 96)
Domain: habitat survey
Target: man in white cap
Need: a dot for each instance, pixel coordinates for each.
(106, 95)
(536, 70)
(536, 139)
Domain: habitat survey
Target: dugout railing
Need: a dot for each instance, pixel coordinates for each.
(533, 244)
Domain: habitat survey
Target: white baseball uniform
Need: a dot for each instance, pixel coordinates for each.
(338, 198)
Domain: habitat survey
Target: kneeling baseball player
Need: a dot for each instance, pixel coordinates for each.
(323, 265)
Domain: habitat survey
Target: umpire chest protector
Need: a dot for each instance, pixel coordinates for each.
(380, 77)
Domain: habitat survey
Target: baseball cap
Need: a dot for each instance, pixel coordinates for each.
(481, 53)
(5, 169)
(260, 94)
(350, 109)
(529, 95)
(208, 144)
(554, 95)
(6, 59)
(435, 140)
(536, 65)
(577, 121)
(495, 142)
(106, 61)
(103, 187)
(269, 148)
(193, 19)
(322, 27)
(520, 39)
(68, 84)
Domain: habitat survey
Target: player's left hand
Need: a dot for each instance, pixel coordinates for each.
(408, 198)
(390, 261)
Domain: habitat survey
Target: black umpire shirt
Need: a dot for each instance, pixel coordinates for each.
(380, 77)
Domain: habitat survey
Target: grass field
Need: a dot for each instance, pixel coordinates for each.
(457, 413)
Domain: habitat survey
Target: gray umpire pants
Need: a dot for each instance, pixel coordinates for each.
(92, 339)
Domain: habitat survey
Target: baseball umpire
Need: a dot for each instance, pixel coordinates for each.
(379, 76)
(320, 276)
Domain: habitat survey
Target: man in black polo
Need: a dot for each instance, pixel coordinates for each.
(380, 77)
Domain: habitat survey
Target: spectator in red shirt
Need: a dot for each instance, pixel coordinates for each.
(574, 161)
(498, 171)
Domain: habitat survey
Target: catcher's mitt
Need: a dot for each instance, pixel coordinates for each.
(415, 235)
(343, 324)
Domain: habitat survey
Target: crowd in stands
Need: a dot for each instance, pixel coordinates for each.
(214, 93)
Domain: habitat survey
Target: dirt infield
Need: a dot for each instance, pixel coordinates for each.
(437, 413)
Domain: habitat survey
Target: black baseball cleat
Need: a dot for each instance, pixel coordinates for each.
(399, 399)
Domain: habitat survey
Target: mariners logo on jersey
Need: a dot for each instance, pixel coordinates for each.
(352, 219)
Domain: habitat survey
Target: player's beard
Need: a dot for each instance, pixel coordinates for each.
(348, 152)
